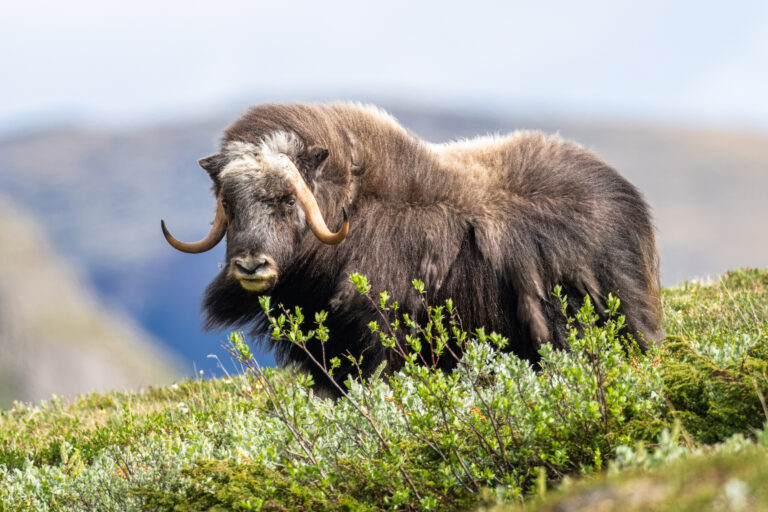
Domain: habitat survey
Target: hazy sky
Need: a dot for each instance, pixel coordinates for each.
(145, 61)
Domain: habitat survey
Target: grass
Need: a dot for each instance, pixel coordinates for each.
(594, 427)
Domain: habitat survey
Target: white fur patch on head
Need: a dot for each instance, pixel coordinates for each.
(280, 142)
(235, 149)
(241, 157)
(272, 154)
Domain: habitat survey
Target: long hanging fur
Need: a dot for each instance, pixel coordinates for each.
(493, 223)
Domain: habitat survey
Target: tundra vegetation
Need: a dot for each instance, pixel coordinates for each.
(682, 426)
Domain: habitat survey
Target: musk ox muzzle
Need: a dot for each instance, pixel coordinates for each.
(256, 273)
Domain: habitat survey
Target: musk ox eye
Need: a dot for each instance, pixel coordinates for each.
(291, 201)
(227, 210)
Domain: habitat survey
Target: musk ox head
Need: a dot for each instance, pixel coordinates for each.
(265, 207)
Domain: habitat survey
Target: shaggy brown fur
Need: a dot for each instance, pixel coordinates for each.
(493, 223)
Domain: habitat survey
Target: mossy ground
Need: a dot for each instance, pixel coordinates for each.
(212, 444)
(715, 359)
(704, 482)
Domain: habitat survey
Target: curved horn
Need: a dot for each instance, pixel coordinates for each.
(218, 230)
(314, 217)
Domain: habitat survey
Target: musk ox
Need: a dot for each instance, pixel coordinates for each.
(493, 223)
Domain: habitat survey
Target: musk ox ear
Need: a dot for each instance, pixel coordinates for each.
(213, 164)
(317, 155)
(312, 160)
(355, 154)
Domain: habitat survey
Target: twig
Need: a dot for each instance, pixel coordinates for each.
(761, 397)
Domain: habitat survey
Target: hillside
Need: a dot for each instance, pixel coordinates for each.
(101, 194)
(680, 428)
(55, 336)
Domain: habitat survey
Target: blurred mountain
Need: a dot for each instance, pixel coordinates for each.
(55, 336)
(101, 195)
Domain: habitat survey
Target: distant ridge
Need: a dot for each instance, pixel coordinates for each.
(55, 336)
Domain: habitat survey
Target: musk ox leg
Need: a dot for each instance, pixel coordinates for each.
(586, 284)
(640, 304)
(644, 334)
(529, 311)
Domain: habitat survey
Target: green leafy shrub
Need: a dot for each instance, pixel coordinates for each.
(430, 439)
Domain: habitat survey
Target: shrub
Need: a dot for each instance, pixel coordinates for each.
(429, 439)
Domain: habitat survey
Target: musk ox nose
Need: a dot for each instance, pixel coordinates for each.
(255, 273)
(249, 264)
